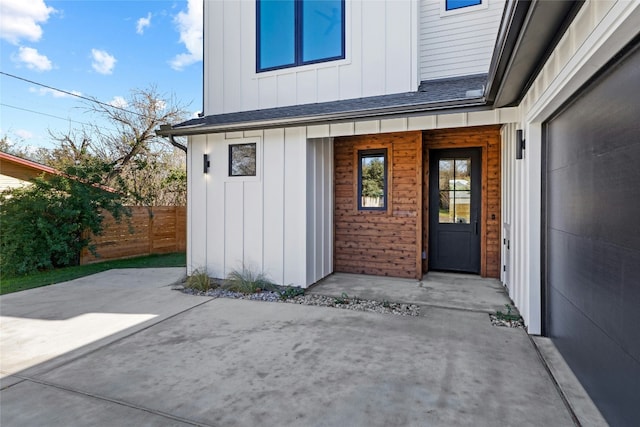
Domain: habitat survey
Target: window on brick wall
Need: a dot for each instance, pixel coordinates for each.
(298, 32)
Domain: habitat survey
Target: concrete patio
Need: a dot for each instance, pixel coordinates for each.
(445, 290)
(122, 348)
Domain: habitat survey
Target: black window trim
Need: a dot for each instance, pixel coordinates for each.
(298, 32)
(371, 153)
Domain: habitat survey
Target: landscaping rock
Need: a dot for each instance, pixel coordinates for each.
(497, 321)
(347, 303)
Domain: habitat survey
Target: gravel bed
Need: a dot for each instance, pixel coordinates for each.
(496, 321)
(348, 303)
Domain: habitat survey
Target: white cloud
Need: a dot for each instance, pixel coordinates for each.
(23, 134)
(119, 102)
(32, 59)
(189, 25)
(160, 105)
(103, 62)
(20, 19)
(42, 91)
(143, 23)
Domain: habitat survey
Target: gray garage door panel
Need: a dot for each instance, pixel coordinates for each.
(592, 220)
(603, 371)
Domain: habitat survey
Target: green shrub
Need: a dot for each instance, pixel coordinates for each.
(198, 281)
(508, 316)
(47, 224)
(342, 299)
(247, 281)
(287, 292)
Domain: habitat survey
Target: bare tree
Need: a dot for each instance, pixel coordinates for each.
(147, 168)
(135, 123)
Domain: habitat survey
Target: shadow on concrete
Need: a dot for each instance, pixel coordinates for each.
(203, 361)
(446, 290)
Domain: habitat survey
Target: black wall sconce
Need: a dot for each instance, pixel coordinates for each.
(206, 163)
(520, 143)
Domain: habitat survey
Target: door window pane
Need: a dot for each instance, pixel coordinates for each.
(372, 176)
(277, 33)
(462, 206)
(321, 30)
(454, 177)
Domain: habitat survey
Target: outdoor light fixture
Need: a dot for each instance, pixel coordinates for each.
(206, 163)
(520, 143)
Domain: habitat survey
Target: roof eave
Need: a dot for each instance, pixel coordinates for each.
(461, 105)
(529, 31)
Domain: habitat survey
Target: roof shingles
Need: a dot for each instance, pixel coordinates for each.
(453, 92)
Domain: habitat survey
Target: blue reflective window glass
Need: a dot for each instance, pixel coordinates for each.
(297, 32)
(322, 30)
(457, 4)
(276, 40)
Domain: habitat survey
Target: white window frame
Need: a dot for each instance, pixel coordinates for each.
(444, 12)
(240, 141)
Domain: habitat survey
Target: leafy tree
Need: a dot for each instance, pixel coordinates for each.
(47, 224)
(373, 178)
(17, 148)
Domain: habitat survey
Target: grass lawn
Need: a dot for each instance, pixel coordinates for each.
(44, 278)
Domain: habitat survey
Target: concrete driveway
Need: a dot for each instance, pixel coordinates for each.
(122, 348)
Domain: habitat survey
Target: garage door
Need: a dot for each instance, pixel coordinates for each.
(592, 223)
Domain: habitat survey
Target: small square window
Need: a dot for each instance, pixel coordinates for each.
(242, 159)
(459, 4)
(372, 180)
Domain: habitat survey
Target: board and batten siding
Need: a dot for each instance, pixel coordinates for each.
(385, 243)
(319, 208)
(381, 43)
(599, 30)
(457, 43)
(267, 223)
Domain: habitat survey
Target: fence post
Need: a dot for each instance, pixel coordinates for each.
(150, 231)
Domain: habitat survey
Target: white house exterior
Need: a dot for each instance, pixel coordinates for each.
(18, 172)
(414, 74)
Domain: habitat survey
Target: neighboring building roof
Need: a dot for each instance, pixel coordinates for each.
(26, 170)
(23, 169)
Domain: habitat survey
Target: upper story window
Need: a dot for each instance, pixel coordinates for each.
(298, 32)
(459, 4)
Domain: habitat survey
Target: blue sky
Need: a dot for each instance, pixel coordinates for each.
(95, 48)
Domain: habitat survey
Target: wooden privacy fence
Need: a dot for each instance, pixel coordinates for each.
(149, 230)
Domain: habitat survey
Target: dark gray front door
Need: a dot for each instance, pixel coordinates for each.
(454, 210)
